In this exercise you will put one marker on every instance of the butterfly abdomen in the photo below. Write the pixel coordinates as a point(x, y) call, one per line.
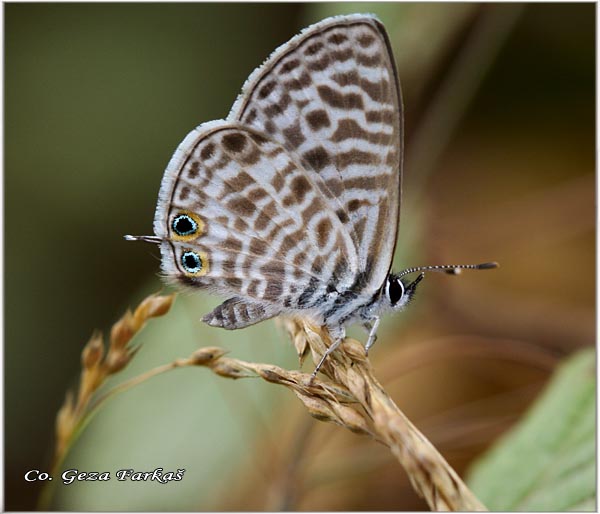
point(239, 313)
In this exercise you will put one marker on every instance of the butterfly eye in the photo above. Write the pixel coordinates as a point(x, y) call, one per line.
point(192, 262)
point(395, 290)
point(186, 226)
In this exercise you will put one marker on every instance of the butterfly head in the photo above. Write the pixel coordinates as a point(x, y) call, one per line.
point(398, 291)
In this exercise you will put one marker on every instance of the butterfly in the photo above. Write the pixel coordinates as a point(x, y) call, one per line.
point(291, 204)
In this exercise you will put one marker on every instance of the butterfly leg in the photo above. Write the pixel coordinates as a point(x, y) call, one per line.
point(337, 335)
point(372, 328)
point(329, 351)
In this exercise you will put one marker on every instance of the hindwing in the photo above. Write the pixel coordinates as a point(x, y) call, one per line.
point(238, 214)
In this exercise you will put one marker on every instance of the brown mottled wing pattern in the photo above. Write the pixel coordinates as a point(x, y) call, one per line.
point(265, 231)
point(331, 97)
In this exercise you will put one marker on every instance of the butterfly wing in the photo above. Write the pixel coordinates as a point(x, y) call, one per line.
point(237, 215)
point(330, 96)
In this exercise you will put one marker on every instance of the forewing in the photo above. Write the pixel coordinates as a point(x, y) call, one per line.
point(331, 97)
point(264, 230)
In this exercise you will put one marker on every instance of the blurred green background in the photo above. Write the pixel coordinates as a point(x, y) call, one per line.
point(500, 165)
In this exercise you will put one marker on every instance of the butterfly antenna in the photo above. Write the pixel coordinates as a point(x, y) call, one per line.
point(146, 239)
point(451, 269)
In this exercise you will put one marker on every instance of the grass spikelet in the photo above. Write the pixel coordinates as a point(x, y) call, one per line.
point(431, 476)
point(294, 330)
point(354, 399)
point(97, 364)
point(351, 397)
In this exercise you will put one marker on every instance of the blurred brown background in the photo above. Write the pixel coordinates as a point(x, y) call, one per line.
point(500, 165)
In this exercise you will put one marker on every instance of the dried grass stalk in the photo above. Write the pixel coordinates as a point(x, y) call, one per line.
point(97, 365)
point(355, 400)
point(430, 474)
point(352, 398)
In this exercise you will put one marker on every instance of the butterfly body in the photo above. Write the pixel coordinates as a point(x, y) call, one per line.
point(291, 204)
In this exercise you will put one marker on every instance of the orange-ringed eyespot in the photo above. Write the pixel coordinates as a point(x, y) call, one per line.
point(184, 225)
point(191, 261)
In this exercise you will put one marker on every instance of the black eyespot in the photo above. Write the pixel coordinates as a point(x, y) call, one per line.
point(184, 225)
point(192, 263)
point(395, 290)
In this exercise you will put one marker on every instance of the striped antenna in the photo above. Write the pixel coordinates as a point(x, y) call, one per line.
point(451, 269)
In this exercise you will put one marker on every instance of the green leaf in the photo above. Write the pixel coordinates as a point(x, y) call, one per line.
point(548, 461)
